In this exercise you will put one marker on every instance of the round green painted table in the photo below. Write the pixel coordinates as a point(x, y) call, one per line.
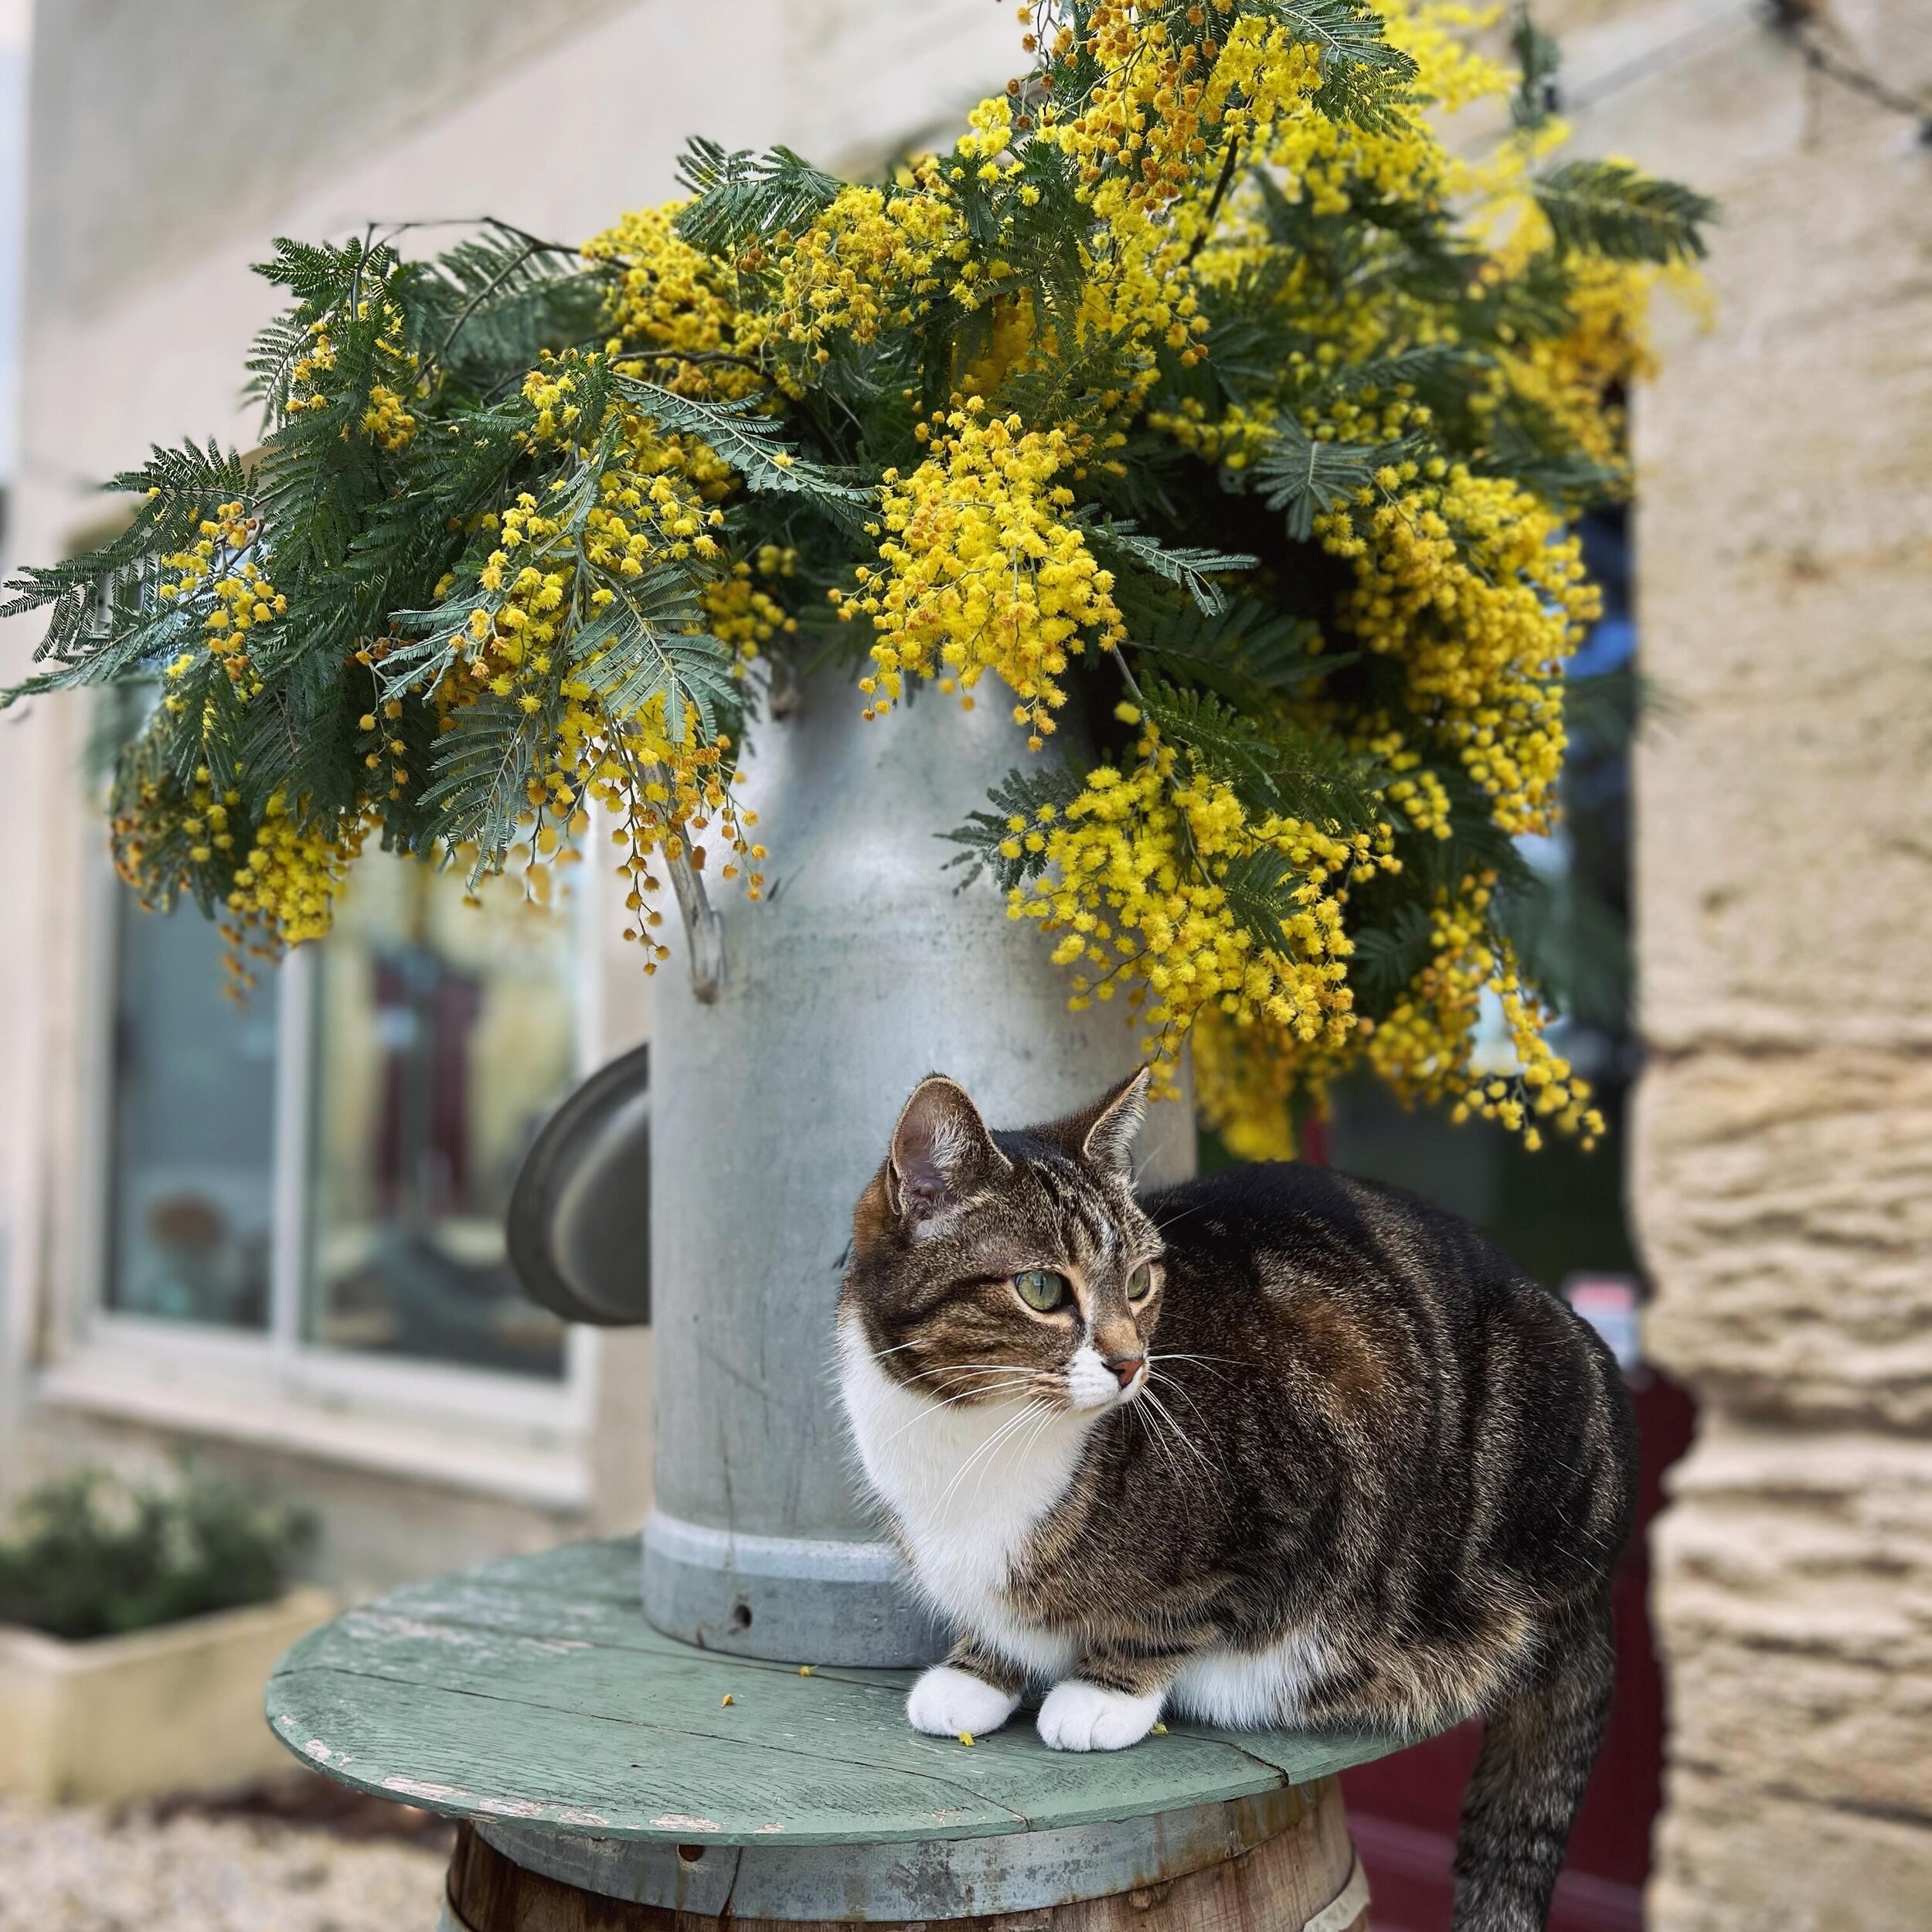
point(605, 1777)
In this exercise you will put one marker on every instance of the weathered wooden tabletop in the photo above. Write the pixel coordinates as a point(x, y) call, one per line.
point(533, 1690)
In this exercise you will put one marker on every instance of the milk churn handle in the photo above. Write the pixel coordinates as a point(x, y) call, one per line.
point(703, 931)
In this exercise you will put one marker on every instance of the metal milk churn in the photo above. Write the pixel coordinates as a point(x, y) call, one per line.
point(772, 1101)
point(867, 967)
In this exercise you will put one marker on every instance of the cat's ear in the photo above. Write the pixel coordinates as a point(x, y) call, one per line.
point(1103, 1135)
point(940, 1148)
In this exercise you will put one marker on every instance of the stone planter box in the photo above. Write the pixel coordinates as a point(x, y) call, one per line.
point(175, 1709)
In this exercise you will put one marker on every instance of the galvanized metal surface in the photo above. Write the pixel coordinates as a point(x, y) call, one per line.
point(718, 1586)
point(532, 1692)
point(577, 1231)
point(866, 968)
point(954, 1879)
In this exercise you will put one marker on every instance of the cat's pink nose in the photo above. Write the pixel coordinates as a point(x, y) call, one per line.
point(1126, 1367)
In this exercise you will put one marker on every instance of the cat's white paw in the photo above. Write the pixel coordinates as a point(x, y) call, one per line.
point(946, 1702)
point(1083, 1717)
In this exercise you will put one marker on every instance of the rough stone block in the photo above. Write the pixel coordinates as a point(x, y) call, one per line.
point(1725, 1864)
point(1793, 1574)
point(1785, 1204)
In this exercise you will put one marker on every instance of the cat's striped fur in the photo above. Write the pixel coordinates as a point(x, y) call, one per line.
point(1341, 1464)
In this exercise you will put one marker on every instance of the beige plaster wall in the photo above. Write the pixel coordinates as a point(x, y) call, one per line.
point(159, 130)
point(1782, 1178)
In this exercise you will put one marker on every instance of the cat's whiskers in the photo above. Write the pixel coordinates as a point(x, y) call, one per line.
point(1186, 1395)
point(1049, 1414)
point(964, 1368)
point(1174, 1354)
point(1181, 1436)
point(1160, 1426)
point(1153, 1440)
point(985, 1449)
point(1203, 1360)
point(980, 1391)
point(1026, 1448)
point(1174, 1220)
point(1165, 1430)
point(992, 1372)
point(1152, 1420)
point(981, 1373)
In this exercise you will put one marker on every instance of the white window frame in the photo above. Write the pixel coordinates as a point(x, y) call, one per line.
point(519, 1436)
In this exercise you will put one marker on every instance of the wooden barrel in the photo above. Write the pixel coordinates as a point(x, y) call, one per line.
point(1301, 1875)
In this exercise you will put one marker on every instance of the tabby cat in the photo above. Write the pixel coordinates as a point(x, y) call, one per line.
point(1275, 1446)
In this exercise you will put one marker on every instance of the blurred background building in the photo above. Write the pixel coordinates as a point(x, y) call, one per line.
point(273, 1234)
point(276, 1233)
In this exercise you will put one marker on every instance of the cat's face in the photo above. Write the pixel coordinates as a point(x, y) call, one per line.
point(994, 1267)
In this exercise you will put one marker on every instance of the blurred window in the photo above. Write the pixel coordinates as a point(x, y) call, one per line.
point(444, 1035)
point(327, 1163)
point(193, 1175)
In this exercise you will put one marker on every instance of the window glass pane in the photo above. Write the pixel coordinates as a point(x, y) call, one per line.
point(444, 1033)
point(194, 1112)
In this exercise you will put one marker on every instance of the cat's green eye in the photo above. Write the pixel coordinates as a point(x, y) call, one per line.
point(1140, 1283)
point(1042, 1289)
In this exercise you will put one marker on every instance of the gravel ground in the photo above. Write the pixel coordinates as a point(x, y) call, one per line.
point(141, 1870)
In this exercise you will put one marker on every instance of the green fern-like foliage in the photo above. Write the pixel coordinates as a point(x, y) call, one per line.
point(1304, 478)
point(995, 841)
point(1608, 208)
point(738, 197)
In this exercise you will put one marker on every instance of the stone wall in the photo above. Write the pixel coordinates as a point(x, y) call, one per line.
point(1782, 1172)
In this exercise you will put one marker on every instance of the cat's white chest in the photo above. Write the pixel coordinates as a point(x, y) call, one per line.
point(967, 1484)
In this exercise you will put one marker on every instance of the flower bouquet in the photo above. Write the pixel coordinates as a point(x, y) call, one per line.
point(1204, 405)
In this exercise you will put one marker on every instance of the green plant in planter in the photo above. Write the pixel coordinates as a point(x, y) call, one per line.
point(89, 1556)
point(1200, 391)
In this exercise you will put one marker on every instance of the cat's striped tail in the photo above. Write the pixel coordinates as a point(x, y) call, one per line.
point(1537, 1750)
